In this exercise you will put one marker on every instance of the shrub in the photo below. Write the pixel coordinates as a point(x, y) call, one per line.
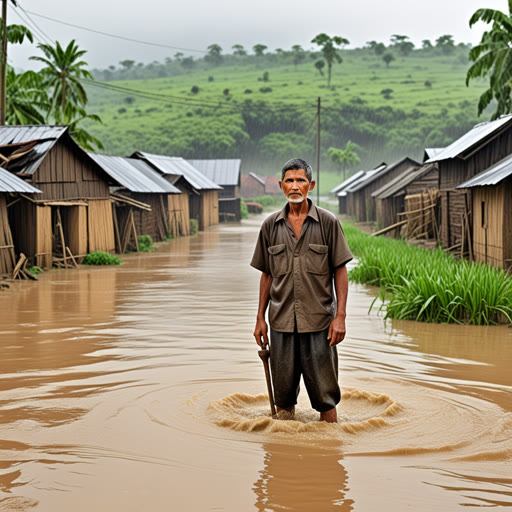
point(210, 79)
point(244, 211)
point(101, 258)
point(122, 110)
point(248, 91)
point(428, 83)
point(35, 270)
point(145, 243)
point(265, 89)
point(225, 92)
point(194, 89)
point(194, 227)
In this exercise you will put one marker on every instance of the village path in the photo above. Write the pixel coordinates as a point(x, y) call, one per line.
point(139, 388)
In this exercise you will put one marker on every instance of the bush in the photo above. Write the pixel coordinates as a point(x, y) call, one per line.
point(145, 243)
point(248, 91)
point(194, 227)
point(122, 110)
point(243, 210)
point(194, 89)
point(35, 270)
point(101, 258)
point(428, 84)
point(265, 89)
point(210, 79)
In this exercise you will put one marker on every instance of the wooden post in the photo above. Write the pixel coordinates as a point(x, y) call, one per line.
point(3, 67)
point(63, 241)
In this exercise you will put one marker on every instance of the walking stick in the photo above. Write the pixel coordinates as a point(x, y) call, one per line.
point(264, 355)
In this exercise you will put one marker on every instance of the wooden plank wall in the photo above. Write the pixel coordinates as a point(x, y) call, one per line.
point(488, 242)
point(209, 208)
point(179, 216)
point(68, 174)
point(7, 254)
point(507, 224)
point(76, 229)
point(44, 247)
point(101, 226)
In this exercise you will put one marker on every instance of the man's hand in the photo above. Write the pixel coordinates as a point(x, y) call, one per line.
point(337, 331)
point(260, 332)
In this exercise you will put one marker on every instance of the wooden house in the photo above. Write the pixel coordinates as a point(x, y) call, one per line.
point(141, 202)
point(203, 194)
point(364, 202)
point(73, 213)
point(226, 173)
point(354, 207)
point(477, 150)
point(492, 214)
point(390, 199)
point(252, 185)
point(340, 191)
point(10, 188)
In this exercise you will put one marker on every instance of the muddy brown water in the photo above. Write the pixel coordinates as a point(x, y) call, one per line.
point(139, 387)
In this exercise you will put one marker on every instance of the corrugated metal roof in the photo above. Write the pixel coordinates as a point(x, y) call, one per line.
point(257, 178)
point(11, 183)
point(220, 171)
point(378, 171)
point(431, 153)
point(134, 175)
point(491, 176)
point(398, 184)
point(19, 134)
point(347, 182)
point(462, 146)
point(366, 175)
point(175, 165)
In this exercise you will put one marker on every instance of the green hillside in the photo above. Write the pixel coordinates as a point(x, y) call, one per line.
point(234, 110)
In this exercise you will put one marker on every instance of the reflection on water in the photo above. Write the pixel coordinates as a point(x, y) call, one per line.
point(140, 387)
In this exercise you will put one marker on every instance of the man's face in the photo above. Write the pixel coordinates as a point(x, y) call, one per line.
point(295, 185)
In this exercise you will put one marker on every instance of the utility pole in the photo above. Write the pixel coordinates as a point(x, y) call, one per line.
point(3, 67)
point(318, 126)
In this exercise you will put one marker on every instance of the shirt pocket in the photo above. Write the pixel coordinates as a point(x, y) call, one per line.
point(278, 260)
point(317, 259)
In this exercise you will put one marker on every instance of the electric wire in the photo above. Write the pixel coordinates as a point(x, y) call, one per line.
point(37, 32)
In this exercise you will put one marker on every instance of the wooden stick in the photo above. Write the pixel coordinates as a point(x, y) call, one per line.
point(264, 355)
point(390, 228)
point(61, 232)
point(19, 265)
point(68, 250)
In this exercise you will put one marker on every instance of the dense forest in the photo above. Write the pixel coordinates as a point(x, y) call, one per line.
point(378, 103)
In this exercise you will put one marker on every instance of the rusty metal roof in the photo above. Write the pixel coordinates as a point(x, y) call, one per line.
point(220, 171)
point(465, 146)
point(11, 183)
point(491, 176)
point(134, 175)
point(177, 166)
point(46, 135)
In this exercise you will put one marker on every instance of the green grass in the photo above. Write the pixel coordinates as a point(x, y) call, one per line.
point(430, 286)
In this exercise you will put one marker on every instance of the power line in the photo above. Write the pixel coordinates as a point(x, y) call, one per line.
point(38, 33)
point(115, 36)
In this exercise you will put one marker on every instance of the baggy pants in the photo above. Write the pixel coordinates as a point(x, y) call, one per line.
point(293, 354)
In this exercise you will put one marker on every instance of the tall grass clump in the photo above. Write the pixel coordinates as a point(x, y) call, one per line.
point(430, 286)
point(101, 258)
point(145, 243)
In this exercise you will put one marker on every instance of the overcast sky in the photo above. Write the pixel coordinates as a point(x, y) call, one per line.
point(195, 24)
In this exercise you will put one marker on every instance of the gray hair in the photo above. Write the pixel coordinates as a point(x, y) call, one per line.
point(297, 163)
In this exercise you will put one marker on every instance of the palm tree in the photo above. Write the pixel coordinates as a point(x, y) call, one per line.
point(345, 158)
point(62, 74)
point(492, 57)
point(26, 98)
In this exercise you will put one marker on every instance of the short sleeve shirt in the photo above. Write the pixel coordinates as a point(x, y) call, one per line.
point(302, 270)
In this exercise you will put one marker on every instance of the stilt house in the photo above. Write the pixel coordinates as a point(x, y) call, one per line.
point(492, 214)
point(203, 194)
point(226, 173)
point(73, 213)
point(141, 202)
point(476, 151)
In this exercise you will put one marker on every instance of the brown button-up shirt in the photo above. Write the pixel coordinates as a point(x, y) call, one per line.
point(302, 270)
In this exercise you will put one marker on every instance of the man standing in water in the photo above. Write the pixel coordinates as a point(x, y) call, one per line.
point(300, 251)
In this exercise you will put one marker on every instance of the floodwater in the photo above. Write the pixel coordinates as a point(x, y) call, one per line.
point(140, 388)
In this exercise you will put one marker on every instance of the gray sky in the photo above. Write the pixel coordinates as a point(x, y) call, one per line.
point(277, 23)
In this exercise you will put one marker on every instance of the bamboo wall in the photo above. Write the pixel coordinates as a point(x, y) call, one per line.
point(488, 225)
point(101, 226)
point(75, 229)
point(507, 224)
point(7, 255)
point(66, 173)
point(209, 208)
point(179, 215)
point(387, 210)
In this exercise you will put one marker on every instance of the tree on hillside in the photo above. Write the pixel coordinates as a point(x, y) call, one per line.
point(188, 63)
point(388, 58)
point(345, 159)
point(377, 48)
point(299, 55)
point(320, 65)
point(214, 55)
point(239, 50)
point(426, 44)
point(329, 48)
point(445, 44)
point(127, 64)
point(492, 57)
point(62, 74)
point(402, 44)
point(259, 49)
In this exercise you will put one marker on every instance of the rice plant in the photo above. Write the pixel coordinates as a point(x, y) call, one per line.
point(430, 286)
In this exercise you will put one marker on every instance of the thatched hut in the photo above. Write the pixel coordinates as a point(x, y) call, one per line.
point(492, 213)
point(225, 173)
point(73, 213)
point(203, 194)
point(477, 150)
